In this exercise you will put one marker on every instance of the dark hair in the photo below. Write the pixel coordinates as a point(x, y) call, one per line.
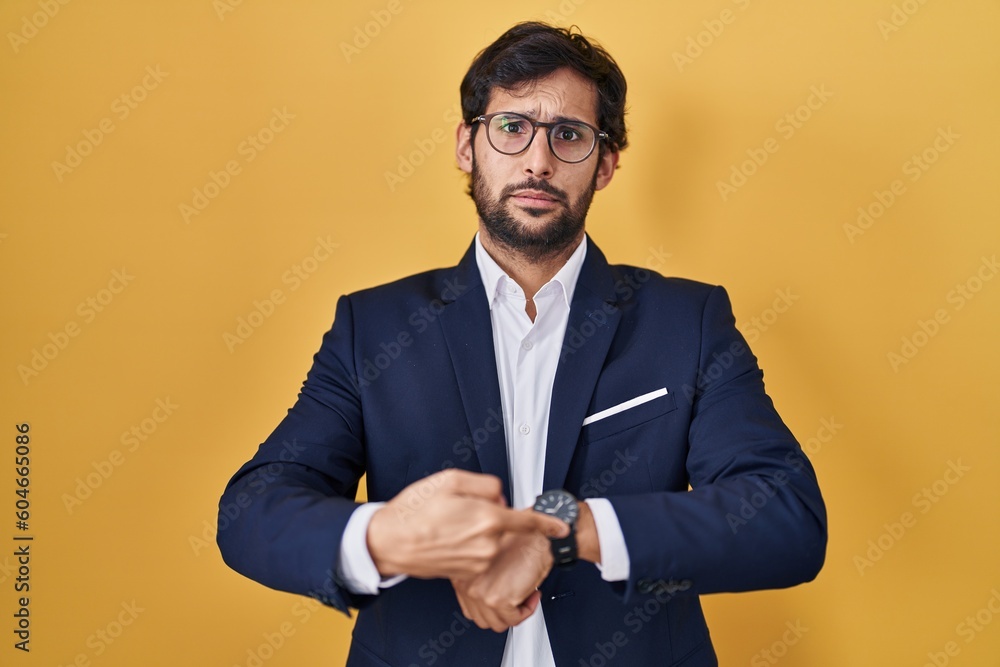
point(532, 50)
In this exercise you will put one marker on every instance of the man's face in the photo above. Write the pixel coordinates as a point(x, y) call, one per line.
point(533, 202)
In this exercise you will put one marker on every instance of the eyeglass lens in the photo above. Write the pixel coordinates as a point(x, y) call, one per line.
point(511, 134)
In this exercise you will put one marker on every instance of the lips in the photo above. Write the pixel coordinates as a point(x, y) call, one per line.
point(535, 197)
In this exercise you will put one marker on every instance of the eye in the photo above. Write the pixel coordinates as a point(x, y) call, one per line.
point(512, 125)
point(567, 133)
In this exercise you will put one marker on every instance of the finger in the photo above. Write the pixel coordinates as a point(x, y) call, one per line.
point(528, 520)
point(471, 609)
point(500, 624)
point(474, 484)
point(465, 609)
point(529, 605)
point(486, 618)
point(476, 618)
point(517, 615)
point(460, 594)
point(501, 619)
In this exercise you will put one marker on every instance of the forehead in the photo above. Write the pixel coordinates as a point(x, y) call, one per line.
point(564, 94)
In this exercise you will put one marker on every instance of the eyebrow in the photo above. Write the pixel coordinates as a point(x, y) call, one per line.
point(533, 115)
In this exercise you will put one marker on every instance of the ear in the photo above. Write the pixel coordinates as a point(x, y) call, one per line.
point(463, 147)
point(606, 168)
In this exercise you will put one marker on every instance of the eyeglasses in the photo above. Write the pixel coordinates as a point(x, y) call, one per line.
point(570, 141)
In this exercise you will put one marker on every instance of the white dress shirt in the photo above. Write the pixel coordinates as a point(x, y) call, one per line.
point(527, 354)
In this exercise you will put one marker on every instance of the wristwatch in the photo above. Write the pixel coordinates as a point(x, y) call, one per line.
point(563, 505)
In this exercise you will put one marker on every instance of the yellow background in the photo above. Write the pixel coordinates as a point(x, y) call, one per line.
point(143, 537)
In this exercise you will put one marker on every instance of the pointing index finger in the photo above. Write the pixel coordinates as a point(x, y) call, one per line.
point(528, 520)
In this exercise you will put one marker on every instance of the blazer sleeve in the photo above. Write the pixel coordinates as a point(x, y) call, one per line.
point(282, 515)
point(754, 517)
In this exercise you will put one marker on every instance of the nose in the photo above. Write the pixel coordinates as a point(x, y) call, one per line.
point(538, 158)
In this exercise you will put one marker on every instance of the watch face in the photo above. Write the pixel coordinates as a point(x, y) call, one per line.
point(559, 504)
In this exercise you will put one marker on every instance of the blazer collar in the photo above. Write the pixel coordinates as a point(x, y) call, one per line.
point(595, 275)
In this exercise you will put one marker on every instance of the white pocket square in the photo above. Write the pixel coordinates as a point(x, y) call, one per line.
point(630, 403)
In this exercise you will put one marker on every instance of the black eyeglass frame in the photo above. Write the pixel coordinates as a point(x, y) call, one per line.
point(599, 135)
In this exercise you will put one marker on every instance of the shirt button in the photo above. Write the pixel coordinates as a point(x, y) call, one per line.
point(525, 429)
point(527, 345)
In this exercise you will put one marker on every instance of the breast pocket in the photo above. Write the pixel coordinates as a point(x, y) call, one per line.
point(627, 414)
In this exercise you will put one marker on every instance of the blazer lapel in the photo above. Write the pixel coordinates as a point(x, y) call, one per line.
point(593, 320)
point(468, 333)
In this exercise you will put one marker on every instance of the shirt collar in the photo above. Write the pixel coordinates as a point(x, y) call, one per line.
point(494, 277)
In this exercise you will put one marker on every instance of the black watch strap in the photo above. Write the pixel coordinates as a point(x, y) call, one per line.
point(564, 549)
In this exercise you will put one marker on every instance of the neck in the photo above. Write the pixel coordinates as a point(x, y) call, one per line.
point(529, 272)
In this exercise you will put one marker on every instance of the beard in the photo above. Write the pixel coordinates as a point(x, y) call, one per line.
point(534, 244)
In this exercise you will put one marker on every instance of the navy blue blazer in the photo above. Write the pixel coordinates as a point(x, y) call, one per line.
point(712, 491)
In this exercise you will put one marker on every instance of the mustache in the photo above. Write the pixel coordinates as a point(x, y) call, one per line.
point(533, 184)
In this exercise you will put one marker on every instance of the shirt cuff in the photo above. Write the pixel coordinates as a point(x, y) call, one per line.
point(355, 566)
point(615, 563)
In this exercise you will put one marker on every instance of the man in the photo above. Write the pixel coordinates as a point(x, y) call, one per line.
point(626, 403)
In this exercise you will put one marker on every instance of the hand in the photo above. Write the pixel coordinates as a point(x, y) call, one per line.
point(449, 525)
point(506, 594)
